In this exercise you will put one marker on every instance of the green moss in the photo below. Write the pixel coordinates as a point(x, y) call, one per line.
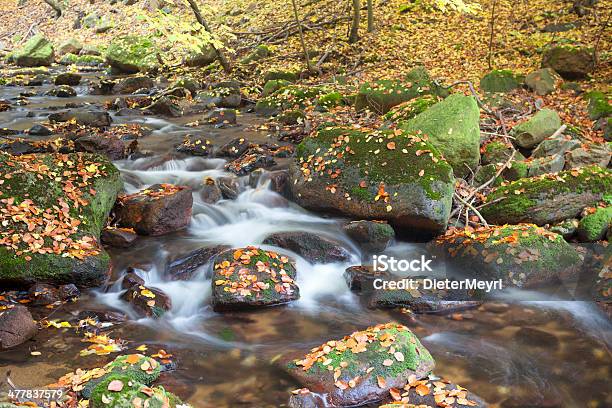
point(274, 85)
point(69, 59)
point(599, 106)
point(517, 170)
point(36, 51)
point(89, 60)
point(330, 100)
point(594, 226)
point(260, 52)
point(289, 97)
point(408, 110)
point(155, 397)
point(132, 54)
point(499, 81)
point(284, 75)
point(134, 371)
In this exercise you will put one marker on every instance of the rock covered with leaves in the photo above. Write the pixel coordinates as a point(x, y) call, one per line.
point(252, 277)
point(382, 174)
point(362, 367)
point(53, 208)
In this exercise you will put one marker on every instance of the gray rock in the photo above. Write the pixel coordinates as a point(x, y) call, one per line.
point(16, 327)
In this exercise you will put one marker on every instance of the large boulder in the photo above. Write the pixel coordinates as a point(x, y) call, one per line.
point(382, 95)
point(156, 210)
point(251, 277)
point(571, 62)
point(16, 326)
point(543, 81)
point(53, 207)
point(132, 54)
point(312, 247)
point(453, 127)
point(36, 51)
point(362, 367)
point(548, 198)
point(531, 132)
point(382, 175)
point(521, 255)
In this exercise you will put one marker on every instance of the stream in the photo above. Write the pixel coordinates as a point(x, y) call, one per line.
point(229, 359)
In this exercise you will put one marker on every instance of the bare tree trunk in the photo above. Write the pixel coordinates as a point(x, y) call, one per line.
point(55, 7)
point(492, 28)
point(370, 16)
point(198, 15)
point(299, 24)
point(354, 35)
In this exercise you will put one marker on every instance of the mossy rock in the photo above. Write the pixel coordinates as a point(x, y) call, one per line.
point(68, 59)
point(382, 95)
point(90, 60)
point(549, 198)
point(499, 81)
point(70, 46)
point(515, 171)
point(364, 366)
point(201, 58)
point(132, 54)
point(138, 367)
point(531, 132)
point(260, 52)
point(292, 117)
point(599, 105)
point(594, 227)
point(486, 173)
point(43, 180)
point(542, 81)
point(453, 126)
point(329, 100)
point(37, 51)
point(566, 228)
point(132, 394)
point(284, 75)
point(524, 255)
point(289, 97)
point(409, 109)
point(341, 170)
point(498, 152)
point(274, 85)
point(250, 277)
point(570, 61)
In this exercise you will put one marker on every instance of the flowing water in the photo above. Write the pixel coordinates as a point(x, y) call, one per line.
point(229, 359)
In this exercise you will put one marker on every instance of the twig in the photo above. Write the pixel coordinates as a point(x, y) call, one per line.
point(471, 207)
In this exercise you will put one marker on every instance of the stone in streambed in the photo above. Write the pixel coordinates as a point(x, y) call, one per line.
point(234, 148)
point(157, 210)
point(210, 192)
point(185, 266)
point(195, 146)
point(147, 301)
point(312, 247)
point(542, 125)
point(131, 84)
point(524, 255)
point(361, 278)
point(364, 366)
point(251, 277)
point(132, 54)
point(43, 294)
point(166, 105)
point(62, 91)
point(549, 198)
point(452, 126)
point(83, 117)
point(16, 326)
point(221, 117)
point(57, 204)
point(229, 187)
point(371, 236)
point(68, 78)
point(109, 146)
point(382, 175)
point(118, 237)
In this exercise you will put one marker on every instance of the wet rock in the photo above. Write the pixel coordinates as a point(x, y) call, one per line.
point(118, 237)
point(103, 315)
point(210, 192)
point(131, 279)
point(221, 117)
point(589, 154)
point(62, 91)
point(132, 54)
point(35, 52)
point(595, 225)
point(542, 81)
point(132, 84)
point(372, 236)
point(416, 195)
point(18, 147)
point(167, 106)
point(234, 148)
point(361, 278)
point(157, 210)
point(421, 300)
point(292, 117)
point(16, 327)
point(129, 112)
point(83, 117)
point(104, 87)
point(278, 180)
point(382, 95)
point(39, 130)
point(452, 126)
point(72, 254)
point(224, 97)
point(499, 81)
point(70, 46)
point(312, 247)
point(251, 277)
point(530, 336)
point(185, 266)
point(109, 146)
point(229, 187)
point(548, 199)
point(150, 302)
point(69, 292)
point(371, 363)
point(571, 62)
point(542, 125)
point(252, 160)
point(195, 146)
point(68, 78)
point(522, 255)
point(42, 294)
